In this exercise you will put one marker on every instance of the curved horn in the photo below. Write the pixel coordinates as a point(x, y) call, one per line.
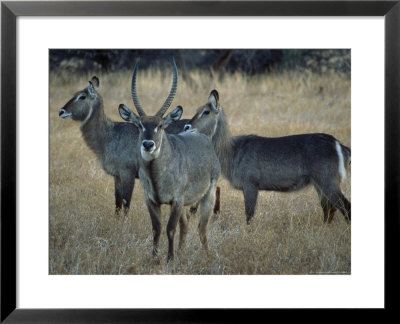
point(135, 98)
point(172, 92)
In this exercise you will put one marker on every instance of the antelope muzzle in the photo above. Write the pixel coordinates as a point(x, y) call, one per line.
point(148, 145)
point(64, 114)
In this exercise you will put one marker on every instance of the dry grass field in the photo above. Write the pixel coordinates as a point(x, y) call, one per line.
point(287, 234)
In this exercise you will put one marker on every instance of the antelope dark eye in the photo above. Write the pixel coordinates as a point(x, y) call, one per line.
point(206, 112)
point(82, 97)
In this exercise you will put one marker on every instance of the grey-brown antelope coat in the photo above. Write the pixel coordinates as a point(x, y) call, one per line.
point(178, 170)
point(110, 141)
point(252, 163)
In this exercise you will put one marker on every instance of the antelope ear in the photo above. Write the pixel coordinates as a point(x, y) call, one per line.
point(128, 115)
point(176, 113)
point(173, 116)
point(214, 98)
point(91, 90)
point(96, 82)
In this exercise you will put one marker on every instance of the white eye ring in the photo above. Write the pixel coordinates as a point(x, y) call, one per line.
point(205, 112)
point(80, 96)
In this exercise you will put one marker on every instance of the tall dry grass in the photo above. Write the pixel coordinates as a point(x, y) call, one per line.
point(287, 234)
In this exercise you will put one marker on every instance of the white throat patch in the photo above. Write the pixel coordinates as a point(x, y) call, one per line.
point(87, 117)
point(149, 156)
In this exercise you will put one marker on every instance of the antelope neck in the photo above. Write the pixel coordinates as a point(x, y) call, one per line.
point(94, 128)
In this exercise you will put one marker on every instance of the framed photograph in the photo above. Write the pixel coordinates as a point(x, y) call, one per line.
point(76, 247)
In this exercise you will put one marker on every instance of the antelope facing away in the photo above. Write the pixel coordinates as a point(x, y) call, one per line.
point(112, 142)
point(252, 163)
point(178, 170)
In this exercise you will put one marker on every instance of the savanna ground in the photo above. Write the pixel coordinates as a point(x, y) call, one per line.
point(287, 234)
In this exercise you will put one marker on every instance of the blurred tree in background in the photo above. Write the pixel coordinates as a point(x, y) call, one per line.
point(247, 61)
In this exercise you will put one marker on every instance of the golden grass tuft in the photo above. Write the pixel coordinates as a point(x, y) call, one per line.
point(287, 235)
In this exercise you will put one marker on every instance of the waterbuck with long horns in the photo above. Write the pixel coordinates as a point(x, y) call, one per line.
point(252, 163)
point(178, 170)
point(174, 128)
point(112, 141)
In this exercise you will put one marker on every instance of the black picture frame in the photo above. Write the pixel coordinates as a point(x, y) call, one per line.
point(11, 10)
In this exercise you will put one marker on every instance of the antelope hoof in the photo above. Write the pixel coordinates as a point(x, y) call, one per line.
point(170, 259)
point(117, 212)
point(156, 260)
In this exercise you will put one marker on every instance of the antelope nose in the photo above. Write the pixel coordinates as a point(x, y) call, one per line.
point(187, 127)
point(148, 145)
point(64, 114)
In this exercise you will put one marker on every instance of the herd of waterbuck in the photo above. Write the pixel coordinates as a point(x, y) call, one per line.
point(179, 161)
